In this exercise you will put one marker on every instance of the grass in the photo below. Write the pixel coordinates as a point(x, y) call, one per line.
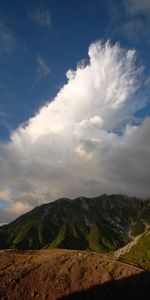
point(95, 239)
point(137, 228)
point(59, 238)
point(140, 253)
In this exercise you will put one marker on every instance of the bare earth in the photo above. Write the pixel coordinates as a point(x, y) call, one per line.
point(52, 274)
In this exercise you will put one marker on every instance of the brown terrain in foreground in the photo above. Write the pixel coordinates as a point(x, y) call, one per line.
point(65, 274)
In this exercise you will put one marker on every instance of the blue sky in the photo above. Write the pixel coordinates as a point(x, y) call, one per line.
point(58, 32)
point(39, 42)
point(60, 43)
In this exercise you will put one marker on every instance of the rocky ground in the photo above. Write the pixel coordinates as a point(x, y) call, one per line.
point(65, 274)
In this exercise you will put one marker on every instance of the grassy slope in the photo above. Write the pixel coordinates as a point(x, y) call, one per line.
point(140, 253)
point(99, 224)
point(137, 228)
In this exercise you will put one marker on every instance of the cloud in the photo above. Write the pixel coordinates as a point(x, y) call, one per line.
point(137, 26)
point(4, 194)
point(43, 68)
point(133, 28)
point(135, 7)
point(7, 40)
point(129, 18)
point(5, 120)
point(84, 141)
point(13, 212)
point(41, 17)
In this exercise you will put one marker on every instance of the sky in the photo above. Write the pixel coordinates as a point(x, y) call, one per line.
point(74, 101)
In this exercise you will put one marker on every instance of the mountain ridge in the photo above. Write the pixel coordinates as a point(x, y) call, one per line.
point(100, 224)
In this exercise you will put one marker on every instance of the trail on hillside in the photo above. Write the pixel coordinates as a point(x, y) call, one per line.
point(133, 242)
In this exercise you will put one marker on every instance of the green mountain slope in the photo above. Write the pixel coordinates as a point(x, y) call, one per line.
point(139, 254)
point(100, 224)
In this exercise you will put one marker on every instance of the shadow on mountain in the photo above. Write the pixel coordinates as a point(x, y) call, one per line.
point(134, 287)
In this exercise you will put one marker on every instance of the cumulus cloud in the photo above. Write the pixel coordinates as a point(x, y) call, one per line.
point(83, 142)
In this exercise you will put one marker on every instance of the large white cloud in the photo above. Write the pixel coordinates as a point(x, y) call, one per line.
point(71, 146)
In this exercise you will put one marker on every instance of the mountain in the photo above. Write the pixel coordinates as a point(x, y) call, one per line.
point(100, 224)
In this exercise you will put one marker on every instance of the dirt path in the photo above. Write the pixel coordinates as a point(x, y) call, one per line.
point(134, 241)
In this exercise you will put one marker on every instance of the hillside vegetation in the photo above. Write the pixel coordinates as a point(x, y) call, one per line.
point(139, 254)
point(137, 228)
point(99, 224)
